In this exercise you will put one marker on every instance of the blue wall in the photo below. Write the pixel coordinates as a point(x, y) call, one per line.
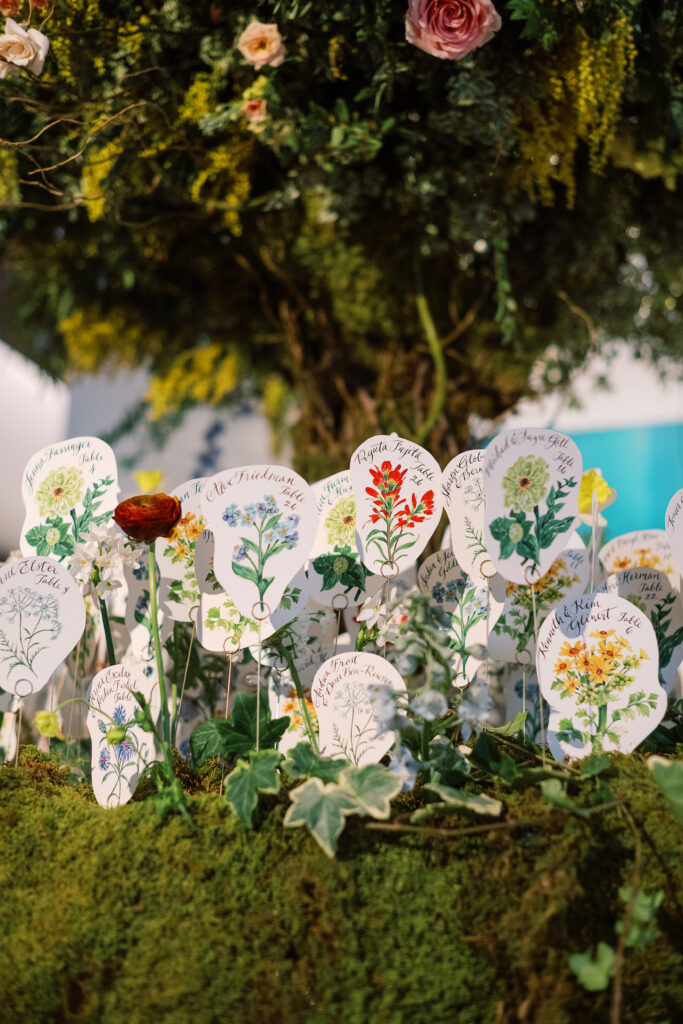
point(644, 465)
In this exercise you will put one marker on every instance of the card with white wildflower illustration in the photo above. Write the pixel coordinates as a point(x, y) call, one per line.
point(649, 549)
point(531, 483)
point(464, 502)
point(264, 521)
point(512, 638)
point(120, 748)
point(351, 693)
point(42, 617)
point(138, 612)
point(67, 488)
point(597, 666)
point(336, 573)
point(673, 522)
point(175, 554)
point(397, 486)
point(651, 592)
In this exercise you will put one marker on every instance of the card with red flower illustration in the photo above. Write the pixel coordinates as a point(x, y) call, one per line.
point(673, 522)
point(651, 592)
point(397, 486)
point(597, 667)
point(356, 698)
point(531, 487)
point(175, 554)
point(42, 618)
point(512, 638)
point(464, 502)
point(120, 747)
point(67, 488)
point(647, 549)
point(264, 520)
point(336, 574)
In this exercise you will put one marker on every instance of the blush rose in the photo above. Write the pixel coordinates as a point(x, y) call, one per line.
point(450, 29)
point(262, 45)
point(23, 49)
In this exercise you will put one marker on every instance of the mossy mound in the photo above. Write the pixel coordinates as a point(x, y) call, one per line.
point(118, 916)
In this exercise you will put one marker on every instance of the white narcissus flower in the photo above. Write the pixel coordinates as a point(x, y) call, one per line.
point(372, 611)
point(23, 48)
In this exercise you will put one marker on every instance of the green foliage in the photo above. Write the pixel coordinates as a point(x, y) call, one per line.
point(669, 777)
point(323, 808)
point(249, 778)
point(457, 799)
point(643, 929)
point(594, 972)
point(221, 737)
point(303, 762)
point(555, 793)
point(372, 787)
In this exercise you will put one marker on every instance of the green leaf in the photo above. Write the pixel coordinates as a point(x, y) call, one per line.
point(513, 728)
point(245, 571)
point(220, 737)
point(555, 793)
point(480, 803)
point(594, 974)
point(248, 779)
point(323, 808)
point(669, 777)
point(303, 762)
point(373, 786)
point(595, 764)
point(489, 757)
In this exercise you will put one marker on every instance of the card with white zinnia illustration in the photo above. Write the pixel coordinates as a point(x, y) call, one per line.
point(673, 522)
point(531, 483)
point(336, 574)
point(597, 667)
point(67, 488)
point(345, 696)
point(648, 549)
point(120, 748)
point(465, 504)
point(264, 520)
point(175, 554)
point(42, 617)
point(397, 486)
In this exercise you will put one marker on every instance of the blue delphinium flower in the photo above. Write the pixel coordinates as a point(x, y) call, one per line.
point(119, 715)
point(105, 760)
point(231, 515)
point(239, 553)
point(438, 592)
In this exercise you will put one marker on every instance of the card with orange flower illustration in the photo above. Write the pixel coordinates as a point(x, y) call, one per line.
point(264, 520)
point(651, 592)
point(464, 502)
point(673, 523)
point(597, 667)
point(649, 549)
point(512, 636)
point(351, 693)
point(397, 486)
point(336, 574)
point(531, 486)
point(67, 488)
point(175, 554)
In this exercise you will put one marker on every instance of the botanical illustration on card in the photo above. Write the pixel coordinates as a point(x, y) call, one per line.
point(465, 502)
point(336, 571)
point(176, 553)
point(646, 549)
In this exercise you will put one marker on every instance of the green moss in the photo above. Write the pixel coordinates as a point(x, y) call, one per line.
point(117, 915)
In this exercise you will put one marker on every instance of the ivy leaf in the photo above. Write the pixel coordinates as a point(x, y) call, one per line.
point(514, 728)
point(594, 974)
point(596, 764)
point(220, 737)
point(303, 762)
point(248, 779)
point(669, 777)
point(555, 793)
point(480, 803)
point(323, 808)
point(372, 787)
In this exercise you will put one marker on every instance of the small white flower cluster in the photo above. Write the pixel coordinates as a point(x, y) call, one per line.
point(383, 615)
point(97, 564)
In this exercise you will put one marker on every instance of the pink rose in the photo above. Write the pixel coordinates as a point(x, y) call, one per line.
point(262, 44)
point(450, 28)
point(255, 111)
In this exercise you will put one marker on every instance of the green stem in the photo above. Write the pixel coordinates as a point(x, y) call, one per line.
point(107, 632)
point(425, 740)
point(154, 617)
point(602, 720)
point(440, 385)
point(77, 534)
point(300, 694)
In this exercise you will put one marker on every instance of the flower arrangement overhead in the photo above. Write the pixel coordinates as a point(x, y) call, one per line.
point(375, 216)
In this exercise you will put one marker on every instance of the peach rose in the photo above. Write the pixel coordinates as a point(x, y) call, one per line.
point(9, 7)
point(255, 111)
point(261, 44)
point(23, 49)
point(450, 28)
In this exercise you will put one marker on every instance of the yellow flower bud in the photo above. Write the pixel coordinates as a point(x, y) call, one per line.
point(47, 723)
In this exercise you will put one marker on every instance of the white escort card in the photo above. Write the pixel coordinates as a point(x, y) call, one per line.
point(673, 522)
point(120, 748)
point(175, 554)
point(649, 549)
point(264, 520)
point(397, 485)
point(42, 617)
point(531, 483)
point(67, 488)
point(336, 574)
point(344, 696)
point(597, 666)
point(465, 504)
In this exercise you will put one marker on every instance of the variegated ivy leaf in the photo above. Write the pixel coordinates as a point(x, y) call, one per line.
point(323, 808)
point(373, 786)
point(257, 775)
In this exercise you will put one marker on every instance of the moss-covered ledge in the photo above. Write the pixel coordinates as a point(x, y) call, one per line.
point(117, 915)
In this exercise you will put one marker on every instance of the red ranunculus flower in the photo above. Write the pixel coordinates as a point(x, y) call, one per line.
point(148, 516)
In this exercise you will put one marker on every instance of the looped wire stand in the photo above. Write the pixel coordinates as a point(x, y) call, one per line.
point(21, 696)
point(339, 603)
point(261, 615)
point(231, 652)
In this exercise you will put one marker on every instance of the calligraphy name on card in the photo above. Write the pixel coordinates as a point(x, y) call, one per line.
point(674, 528)
point(67, 488)
point(120, 748)
point(397, 485)
point(337, 576)
point(264, 521)
point(597, 666)
point(465, 504)
point(42, 617)
point(176, 553)
point(531, 483)
point(651, 592)
point(343, 694)
point(648, 549)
